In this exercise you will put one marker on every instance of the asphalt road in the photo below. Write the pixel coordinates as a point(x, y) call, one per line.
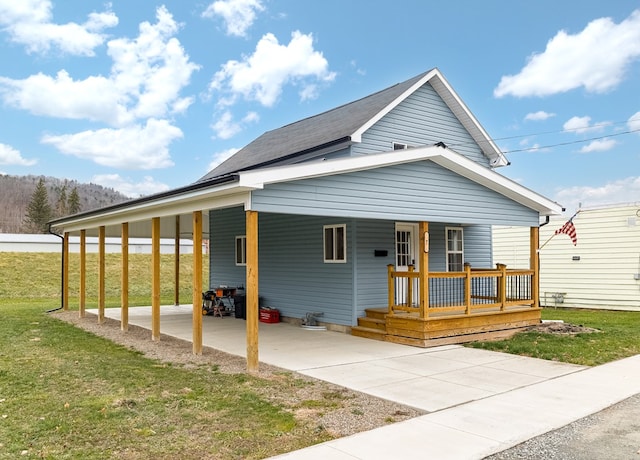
point(613, 434)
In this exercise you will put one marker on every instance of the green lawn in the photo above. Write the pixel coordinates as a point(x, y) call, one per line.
point(65, 393)
point(618, 337)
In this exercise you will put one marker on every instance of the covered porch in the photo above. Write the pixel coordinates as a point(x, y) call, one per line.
point(427, 309)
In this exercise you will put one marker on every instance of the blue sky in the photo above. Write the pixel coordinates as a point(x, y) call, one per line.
point(143, 96)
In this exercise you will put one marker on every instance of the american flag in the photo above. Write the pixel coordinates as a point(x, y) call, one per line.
point(569, 229)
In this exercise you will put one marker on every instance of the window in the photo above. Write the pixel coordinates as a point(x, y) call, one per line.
point(455, 250)
point(241, 250)
point(400, 146)
point(335, 243)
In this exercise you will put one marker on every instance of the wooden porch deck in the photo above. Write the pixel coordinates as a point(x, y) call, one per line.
point(444, 328)
point(432, 309)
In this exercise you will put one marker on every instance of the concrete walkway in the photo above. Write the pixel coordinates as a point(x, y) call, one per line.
point(480, 402)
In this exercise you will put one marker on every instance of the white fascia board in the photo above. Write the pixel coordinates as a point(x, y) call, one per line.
point(473, 171)
point(357, 136)
point(196, 200)
point(460, 109)
point(257, 179)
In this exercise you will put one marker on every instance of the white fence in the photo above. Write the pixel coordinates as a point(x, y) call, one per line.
point(16, 242)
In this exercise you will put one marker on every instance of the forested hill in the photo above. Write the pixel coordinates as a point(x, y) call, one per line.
point(17, 191)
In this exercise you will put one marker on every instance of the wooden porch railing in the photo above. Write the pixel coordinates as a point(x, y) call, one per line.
point(467, 292)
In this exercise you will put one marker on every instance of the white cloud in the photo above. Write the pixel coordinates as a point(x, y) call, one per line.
point(540, 115)
point(595, 58)
point(29, 22)
point(219, 157)
point(634, 122)
point(238, 15)
point(133, 147)
point(146, 78)
point(581, 125)
point(129, 187)
point(225, 127)
point(11, 156)
point(620, 191)
point(599, 145)
point(262, 76)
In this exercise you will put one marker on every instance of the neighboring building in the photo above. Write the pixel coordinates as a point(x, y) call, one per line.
point(21, 242)
point(331, 214)
point(601, 271)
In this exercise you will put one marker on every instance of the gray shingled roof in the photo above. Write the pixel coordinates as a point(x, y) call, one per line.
point(311, 133)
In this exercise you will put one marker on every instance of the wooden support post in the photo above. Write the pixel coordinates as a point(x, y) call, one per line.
point(410, 287)
point(196, 294)
point(65, 272)
point(467, 289)
point(82, 292)
point(176, 263)
point(534, 264)
point(155, 278)
point(101, 274)
point(502, 285)
point(124, 278)
point(252, 290)
point(391, 288)
point(423, 267)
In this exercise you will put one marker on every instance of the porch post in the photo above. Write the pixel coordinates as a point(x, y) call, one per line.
point(423, 243)
point(155, 278)
point(101, 274)
point(252, 290)
point(176, 263)
point(124, 278)
point(65, 271)
point(196, 294)
point(82, 292)
point(534, 241)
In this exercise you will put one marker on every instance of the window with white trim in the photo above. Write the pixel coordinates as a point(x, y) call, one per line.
point(335, 243)
point(455, 249)
point(241, 250)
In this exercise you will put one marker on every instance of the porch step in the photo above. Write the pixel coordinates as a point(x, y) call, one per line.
point(376, 313)
point(368, 333)
point(372, 323)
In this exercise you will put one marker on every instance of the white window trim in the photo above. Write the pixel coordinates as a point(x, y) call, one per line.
point(243, 258)
point(334, 260)
point(446, 245)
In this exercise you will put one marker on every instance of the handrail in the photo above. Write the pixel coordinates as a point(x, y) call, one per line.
point(468, 291)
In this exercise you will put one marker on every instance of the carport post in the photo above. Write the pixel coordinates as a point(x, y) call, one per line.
point(101, 274)
point(252, 290)
point(124, 278)
point(83, 274)
point(65, 271)
point(197, 283)
point(155, 278)
point(176, 264)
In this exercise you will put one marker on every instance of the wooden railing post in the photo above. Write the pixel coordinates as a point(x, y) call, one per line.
point(467, 288)
point(391, 288)
point(410, 287)
point(423, 284)
point(502, 285)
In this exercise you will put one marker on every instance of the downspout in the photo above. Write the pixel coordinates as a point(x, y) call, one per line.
point(61, 271)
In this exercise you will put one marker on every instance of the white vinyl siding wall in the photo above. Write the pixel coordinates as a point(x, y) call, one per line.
point(609, 251)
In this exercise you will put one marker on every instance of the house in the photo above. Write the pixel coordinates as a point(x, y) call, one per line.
point(602, 270)
point(376, 216)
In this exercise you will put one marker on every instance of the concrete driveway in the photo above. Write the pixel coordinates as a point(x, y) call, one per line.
point(430, 379)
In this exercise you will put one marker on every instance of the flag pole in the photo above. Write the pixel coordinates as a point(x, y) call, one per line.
point(554, 234)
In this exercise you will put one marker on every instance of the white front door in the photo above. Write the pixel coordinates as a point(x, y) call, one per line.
point(406, 254)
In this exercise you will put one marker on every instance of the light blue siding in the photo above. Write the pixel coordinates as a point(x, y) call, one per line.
point(408, 192)
point(293, 276)
point(421, 119)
